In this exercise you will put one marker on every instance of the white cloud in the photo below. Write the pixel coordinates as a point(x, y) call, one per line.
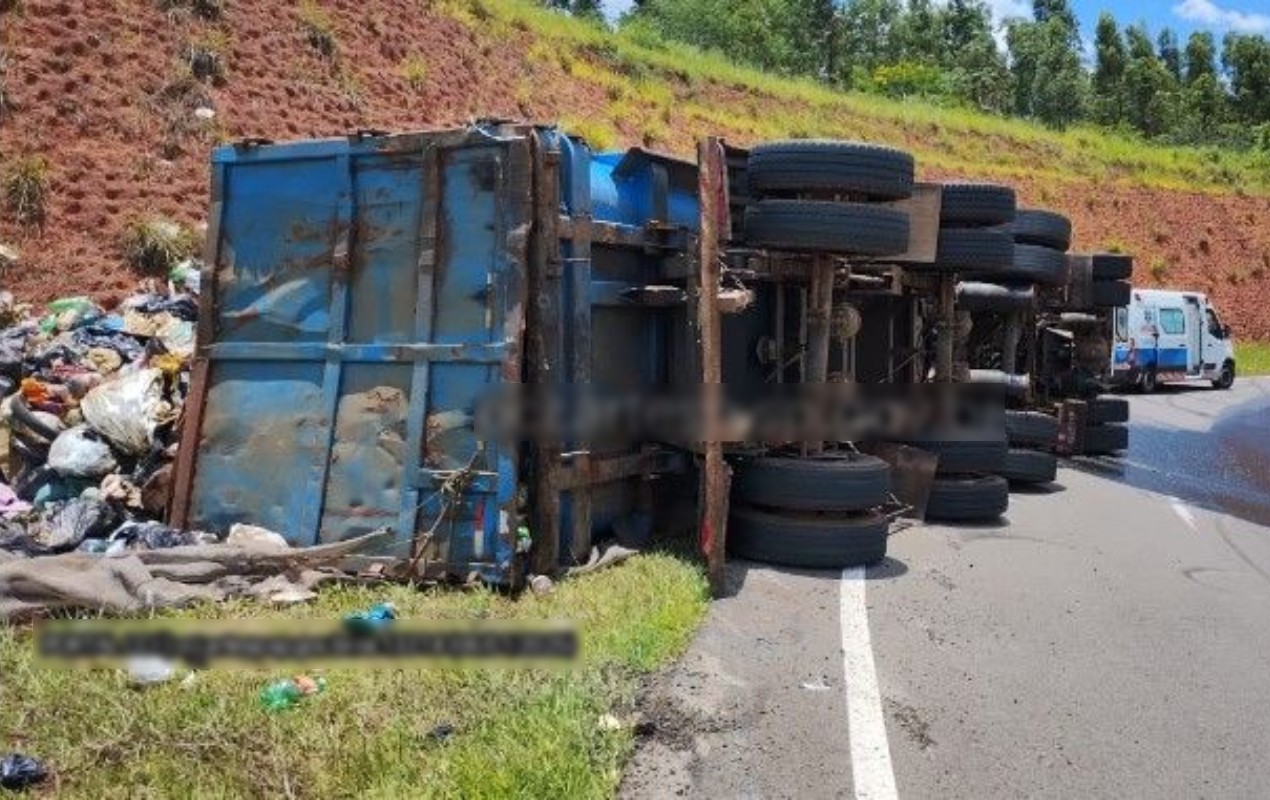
point(1209, 13)
point(1005, 9)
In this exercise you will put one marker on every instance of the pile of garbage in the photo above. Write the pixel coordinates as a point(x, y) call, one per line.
point(89, 422)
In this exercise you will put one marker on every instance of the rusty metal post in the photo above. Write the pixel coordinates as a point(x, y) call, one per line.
point(819, 317)
point(1010, 347)
point(543, 351)
point(716, 477)
point(946, 329)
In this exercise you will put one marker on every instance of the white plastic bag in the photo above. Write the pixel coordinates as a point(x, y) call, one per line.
point(78, 453)
point(126, 410)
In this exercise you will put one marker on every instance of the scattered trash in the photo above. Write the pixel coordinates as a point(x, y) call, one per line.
point(88, 401)
point(10, 503)
point(375, 618)
point(157, 536)
point(541, 584)
point(18, 771)
point(818, 685)
point(79, 452)
point(254, 536)
point(288, 692)
point(608, 722)
point(612, 554)
point(442, 732)
point(126, 411)
point(150, 670)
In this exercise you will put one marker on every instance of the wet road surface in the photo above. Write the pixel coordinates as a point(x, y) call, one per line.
point(1107, 638)
point(1205, 446)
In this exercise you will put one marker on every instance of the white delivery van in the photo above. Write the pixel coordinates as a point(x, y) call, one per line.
point(1167, 335)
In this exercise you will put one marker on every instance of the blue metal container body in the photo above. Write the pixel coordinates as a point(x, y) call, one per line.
point(363, 295)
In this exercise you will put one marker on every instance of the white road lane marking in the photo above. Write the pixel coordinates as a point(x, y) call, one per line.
point(1184, 511)
point(871, 770)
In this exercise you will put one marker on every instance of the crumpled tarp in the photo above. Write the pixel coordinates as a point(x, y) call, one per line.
point(151, 579)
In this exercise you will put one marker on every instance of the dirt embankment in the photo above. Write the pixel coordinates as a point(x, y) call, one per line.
point(101, 89)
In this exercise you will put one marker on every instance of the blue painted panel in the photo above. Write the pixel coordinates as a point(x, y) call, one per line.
point(277, 245)
point(1163, 358)
point(354, 340)
point(360, 318)
point(262, 447)
point(382, 287)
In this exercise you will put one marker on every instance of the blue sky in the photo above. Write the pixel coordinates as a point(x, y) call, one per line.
point(1184, 16)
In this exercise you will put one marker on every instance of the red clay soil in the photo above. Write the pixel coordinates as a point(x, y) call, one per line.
point(98, 90)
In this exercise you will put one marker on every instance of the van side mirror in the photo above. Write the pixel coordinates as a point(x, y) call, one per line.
point(1225, 331)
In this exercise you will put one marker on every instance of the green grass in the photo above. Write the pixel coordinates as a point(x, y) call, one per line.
point(947, 137)
point(1252, 358)
point(518, 732)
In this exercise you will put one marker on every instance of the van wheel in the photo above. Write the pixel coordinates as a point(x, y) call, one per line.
point(1227, 377)
point(1148, 384)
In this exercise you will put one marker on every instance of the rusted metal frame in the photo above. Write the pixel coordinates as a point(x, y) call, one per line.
point(946, 328)
point(580, 356)
point(779, 333)
point(420, 374)
point(716, 476)
point(543, 351)
point(819, 329)
point(205, 332)
point(516, 300)
point(598, 470)
point(341, 265)
point(1010, 343)
point(614, 234)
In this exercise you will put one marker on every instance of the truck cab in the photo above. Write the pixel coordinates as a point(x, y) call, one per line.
point(1171, 336)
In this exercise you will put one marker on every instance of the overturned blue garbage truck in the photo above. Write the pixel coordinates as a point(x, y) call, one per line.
point(363, 296)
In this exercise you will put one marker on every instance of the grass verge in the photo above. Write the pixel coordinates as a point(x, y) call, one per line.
point(948, 137)
point(518, 732)
point(1252, 358)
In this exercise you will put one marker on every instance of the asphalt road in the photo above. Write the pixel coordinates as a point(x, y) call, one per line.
point(1108, 638)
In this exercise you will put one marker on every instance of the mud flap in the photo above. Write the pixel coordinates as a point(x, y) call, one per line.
point(912, 474)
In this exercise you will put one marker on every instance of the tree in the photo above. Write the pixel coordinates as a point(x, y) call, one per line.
point(867, 35)
point(1150, 90)
point(1049, 82)
point(977, 69)
point(1201, 56)
point(1058, 11)
point(593, 9)
point(920, 33)
point(1247, 60)
point(1110, 60)
point(1170, 54)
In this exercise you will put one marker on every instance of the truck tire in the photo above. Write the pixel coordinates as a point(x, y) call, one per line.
point(881, 173)
point(799, 539)
point(1227, 377)
point(1110, 294)
point(832, 482)
point(1031, 428)
point(1044, 228)
point(1101, 410)
point(1037, 264)
point(963, 455)
point(1103, 439)
point(976, 204)
point(1111, 266)
point(981, 250)
point(824, 226)
point(1029, 466)
point(965, 498)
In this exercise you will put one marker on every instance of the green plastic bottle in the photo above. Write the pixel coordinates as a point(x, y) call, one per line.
point(283, 694)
